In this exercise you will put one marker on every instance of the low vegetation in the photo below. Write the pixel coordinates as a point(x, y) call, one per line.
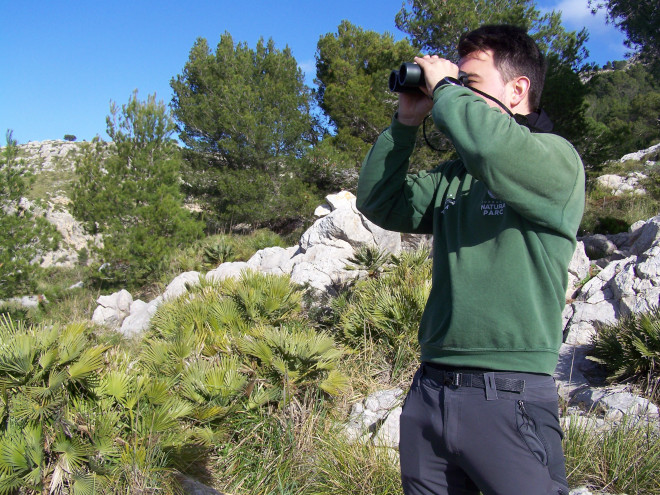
point(630, 350)
point(244, 385)
point(606, 213)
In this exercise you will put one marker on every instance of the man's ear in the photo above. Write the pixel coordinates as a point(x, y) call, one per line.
point(519, 90)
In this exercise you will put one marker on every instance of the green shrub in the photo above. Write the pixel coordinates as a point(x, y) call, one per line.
point(45, 374)
point(218, 253)
point(385, 311)
point(258, 317)
point(608, 214)
point(370, 259)
point(246, 245)
point(630, 349)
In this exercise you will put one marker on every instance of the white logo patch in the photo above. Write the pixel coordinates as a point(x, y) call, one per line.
point(492, 206)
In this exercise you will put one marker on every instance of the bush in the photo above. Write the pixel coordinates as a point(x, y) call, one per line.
point(383, 313)
point(608, 214)
point(630, 349)
point(259, 318)
point(45, 377)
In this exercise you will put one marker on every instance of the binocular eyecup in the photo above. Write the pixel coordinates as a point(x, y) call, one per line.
point(410, 77)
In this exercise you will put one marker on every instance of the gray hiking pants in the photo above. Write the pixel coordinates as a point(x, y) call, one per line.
point(462, 433)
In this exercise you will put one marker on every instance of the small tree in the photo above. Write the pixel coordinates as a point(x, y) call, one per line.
point(69, 137)
point(131, 193)
point(24, 236)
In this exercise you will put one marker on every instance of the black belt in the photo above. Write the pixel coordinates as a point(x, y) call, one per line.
point(476, 380)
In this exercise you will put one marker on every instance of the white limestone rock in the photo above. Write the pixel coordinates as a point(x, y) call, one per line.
point(178, 287)
point(639, 155)
point(615, 402)
point(390, 431)
point(366, 417)
point(139, 319)
point(275, 260)
point(112, 309)
point(230, 269)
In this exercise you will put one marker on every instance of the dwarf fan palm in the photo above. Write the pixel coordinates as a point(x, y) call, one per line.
point(295, 358)
point(630, 349)
point(386, 311)
point(43, 372)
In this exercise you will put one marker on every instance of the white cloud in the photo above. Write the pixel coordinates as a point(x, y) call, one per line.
point(576, 14)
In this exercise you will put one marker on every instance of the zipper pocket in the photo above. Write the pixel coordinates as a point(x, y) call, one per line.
point(527, 430)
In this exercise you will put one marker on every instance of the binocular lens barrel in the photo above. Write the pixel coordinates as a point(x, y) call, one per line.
point(410, 77)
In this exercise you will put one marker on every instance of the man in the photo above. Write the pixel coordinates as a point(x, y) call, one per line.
point(481, 414)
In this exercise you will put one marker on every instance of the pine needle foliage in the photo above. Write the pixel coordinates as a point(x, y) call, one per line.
point(630, 349)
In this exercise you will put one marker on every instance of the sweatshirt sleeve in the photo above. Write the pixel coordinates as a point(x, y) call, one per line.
point(389, 196)
point(539, 175)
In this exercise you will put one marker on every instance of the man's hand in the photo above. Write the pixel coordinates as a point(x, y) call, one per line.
point(435, 69)
point(413, 107)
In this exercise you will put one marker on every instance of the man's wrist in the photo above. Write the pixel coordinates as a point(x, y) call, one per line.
point(447, 81)
point(411, 121)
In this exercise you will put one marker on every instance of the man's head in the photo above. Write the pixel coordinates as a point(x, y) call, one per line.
point(514, 55)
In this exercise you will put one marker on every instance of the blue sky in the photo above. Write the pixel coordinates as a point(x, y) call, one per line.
point(62, 62)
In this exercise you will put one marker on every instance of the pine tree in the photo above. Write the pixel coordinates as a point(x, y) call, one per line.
point(130, 192)
point(24, 236)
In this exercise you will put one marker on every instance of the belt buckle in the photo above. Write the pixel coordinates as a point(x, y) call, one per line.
point(452, 378)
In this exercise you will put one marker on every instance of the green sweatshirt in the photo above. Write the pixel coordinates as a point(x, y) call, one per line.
point(504, 218)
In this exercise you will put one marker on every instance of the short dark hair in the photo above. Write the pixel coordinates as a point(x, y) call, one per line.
point(514, 53)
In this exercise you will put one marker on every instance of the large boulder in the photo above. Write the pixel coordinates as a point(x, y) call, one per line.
point(346, 227)
point(112, 309)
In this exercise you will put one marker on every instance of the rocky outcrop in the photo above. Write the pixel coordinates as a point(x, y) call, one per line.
point(625, 279)
point(46, 156)
point(641, 154)
point(318, 261)
point(630, 184)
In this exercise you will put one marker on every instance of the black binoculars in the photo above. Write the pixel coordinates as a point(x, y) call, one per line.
point(410, 77)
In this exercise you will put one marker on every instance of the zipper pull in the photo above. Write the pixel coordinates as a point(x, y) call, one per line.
point(521, 405)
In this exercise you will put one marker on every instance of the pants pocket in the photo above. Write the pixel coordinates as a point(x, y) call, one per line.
point(531, 434)
point(538, 425)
